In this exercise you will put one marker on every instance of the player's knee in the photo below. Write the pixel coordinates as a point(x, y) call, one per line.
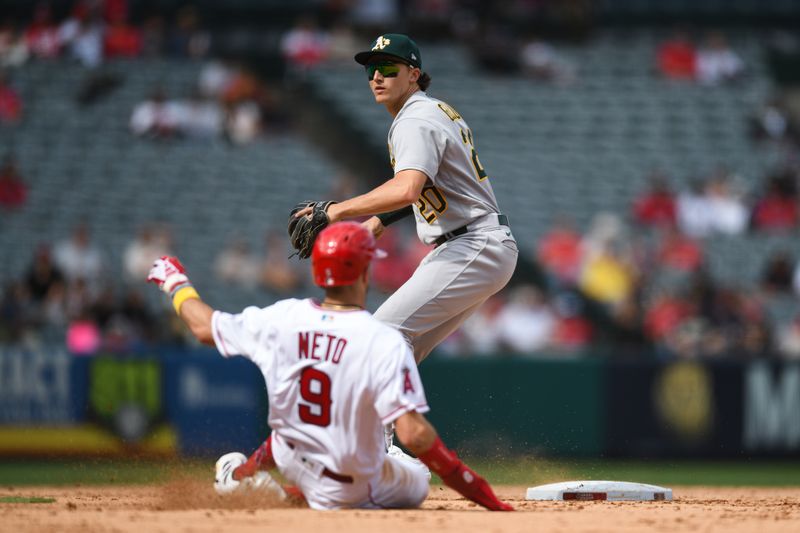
point(419, 491)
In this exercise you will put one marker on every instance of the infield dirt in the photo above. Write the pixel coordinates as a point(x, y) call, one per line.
point(188, 506)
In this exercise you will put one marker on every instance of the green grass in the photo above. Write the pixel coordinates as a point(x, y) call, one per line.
point(532, 472)
point(524, 471)
point(26, 499)
point(100, 472)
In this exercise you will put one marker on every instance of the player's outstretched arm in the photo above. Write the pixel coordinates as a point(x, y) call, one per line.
point(419, 436)
point(170, 276)
point(400, 191)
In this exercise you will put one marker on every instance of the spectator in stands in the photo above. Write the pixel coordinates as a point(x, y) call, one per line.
point(789, 338)
point(539, 60)
point(43, 275)
point(153, 36)
point(187, 39)
point(246, 100)
point(10, 103)
point(490, 48)
point(772, 121)
point(656, 207)
point(13, 191)
point(155, 117)
point(137, 258)
point(199, 117)
point(694, 211)
point(236, 265)
point(479, 334)
point(527, 323)
point(277, 274)
point(305, 45)
point(560, 251)
point(727, 211)
point(53, 308)
point(390, 273)
point(677, 58)
point(13, 49)
point(342, 44)
point(18, 314)
point(243, 122)
point(215, 78)
point(679, 252)
point(665, 313)
point(573, 331)
point(716, 62)
point(712, 207)
point(778, 273)
point(81, 35)
point(371, 17)
point(776, 211)
point(606, 276)
point(131, 325)
point(78, 258)
point(609, 271)
point(121, 39)
point(41, 37)
point(83, 335)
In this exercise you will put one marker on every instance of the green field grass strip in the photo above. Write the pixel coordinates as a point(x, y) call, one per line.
point(526, 471)
point(531, 472)
point(26, 499)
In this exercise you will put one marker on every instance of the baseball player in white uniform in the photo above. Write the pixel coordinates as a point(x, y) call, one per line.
point(334, 375)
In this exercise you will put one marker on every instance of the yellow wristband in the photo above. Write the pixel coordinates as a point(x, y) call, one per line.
point(182, 295)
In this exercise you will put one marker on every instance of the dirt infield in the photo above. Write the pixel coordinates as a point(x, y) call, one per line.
point(192, 506)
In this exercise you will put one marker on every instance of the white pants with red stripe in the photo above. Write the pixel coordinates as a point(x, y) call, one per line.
point(399, 484)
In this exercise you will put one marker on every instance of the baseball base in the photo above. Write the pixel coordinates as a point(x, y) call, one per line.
point(613, 491)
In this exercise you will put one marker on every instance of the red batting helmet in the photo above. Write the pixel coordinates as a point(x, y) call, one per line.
point(341, 253)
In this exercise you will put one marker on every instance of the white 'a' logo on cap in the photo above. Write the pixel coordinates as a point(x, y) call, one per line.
point(381, 43)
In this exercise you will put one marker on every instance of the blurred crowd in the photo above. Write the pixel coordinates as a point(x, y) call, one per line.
point(96, 30)
point(229, 101)
point(628, 284)
point(68, 294)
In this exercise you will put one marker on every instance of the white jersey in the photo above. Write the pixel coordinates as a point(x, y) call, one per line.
point(430, 136)
point(334, 378)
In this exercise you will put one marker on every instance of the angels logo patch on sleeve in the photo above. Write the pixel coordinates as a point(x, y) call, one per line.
point(408, 385)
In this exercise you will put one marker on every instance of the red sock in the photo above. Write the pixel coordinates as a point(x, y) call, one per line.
point(260, 460)
point(460, 477)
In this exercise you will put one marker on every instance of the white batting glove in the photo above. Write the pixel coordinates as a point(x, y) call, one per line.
point(169, 274)
point(259, 482)
point(223, 478)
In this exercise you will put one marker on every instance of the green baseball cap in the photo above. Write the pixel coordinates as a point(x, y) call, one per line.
point(395, 45)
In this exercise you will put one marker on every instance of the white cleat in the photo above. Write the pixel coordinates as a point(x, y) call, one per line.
point(260, 482)
point(398, 453)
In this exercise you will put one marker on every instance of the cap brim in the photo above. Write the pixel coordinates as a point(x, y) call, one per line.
point(363, 57)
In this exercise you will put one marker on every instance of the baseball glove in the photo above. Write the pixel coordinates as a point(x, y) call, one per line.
point(303, 231)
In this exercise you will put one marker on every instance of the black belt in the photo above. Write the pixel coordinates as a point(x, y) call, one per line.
point(502, 220)
point(328, 473)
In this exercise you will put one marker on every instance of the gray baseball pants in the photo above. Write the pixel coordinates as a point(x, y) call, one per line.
point(450, 283)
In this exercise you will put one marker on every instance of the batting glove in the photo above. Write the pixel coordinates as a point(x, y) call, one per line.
point(223, 478)
point(170, 276)
point(261, 481)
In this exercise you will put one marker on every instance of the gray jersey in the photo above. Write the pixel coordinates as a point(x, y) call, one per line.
point(430, 136)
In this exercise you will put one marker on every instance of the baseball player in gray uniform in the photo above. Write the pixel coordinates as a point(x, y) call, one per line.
point(438, 177)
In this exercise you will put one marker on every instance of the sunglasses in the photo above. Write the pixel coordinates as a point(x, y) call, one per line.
point(387, 70)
